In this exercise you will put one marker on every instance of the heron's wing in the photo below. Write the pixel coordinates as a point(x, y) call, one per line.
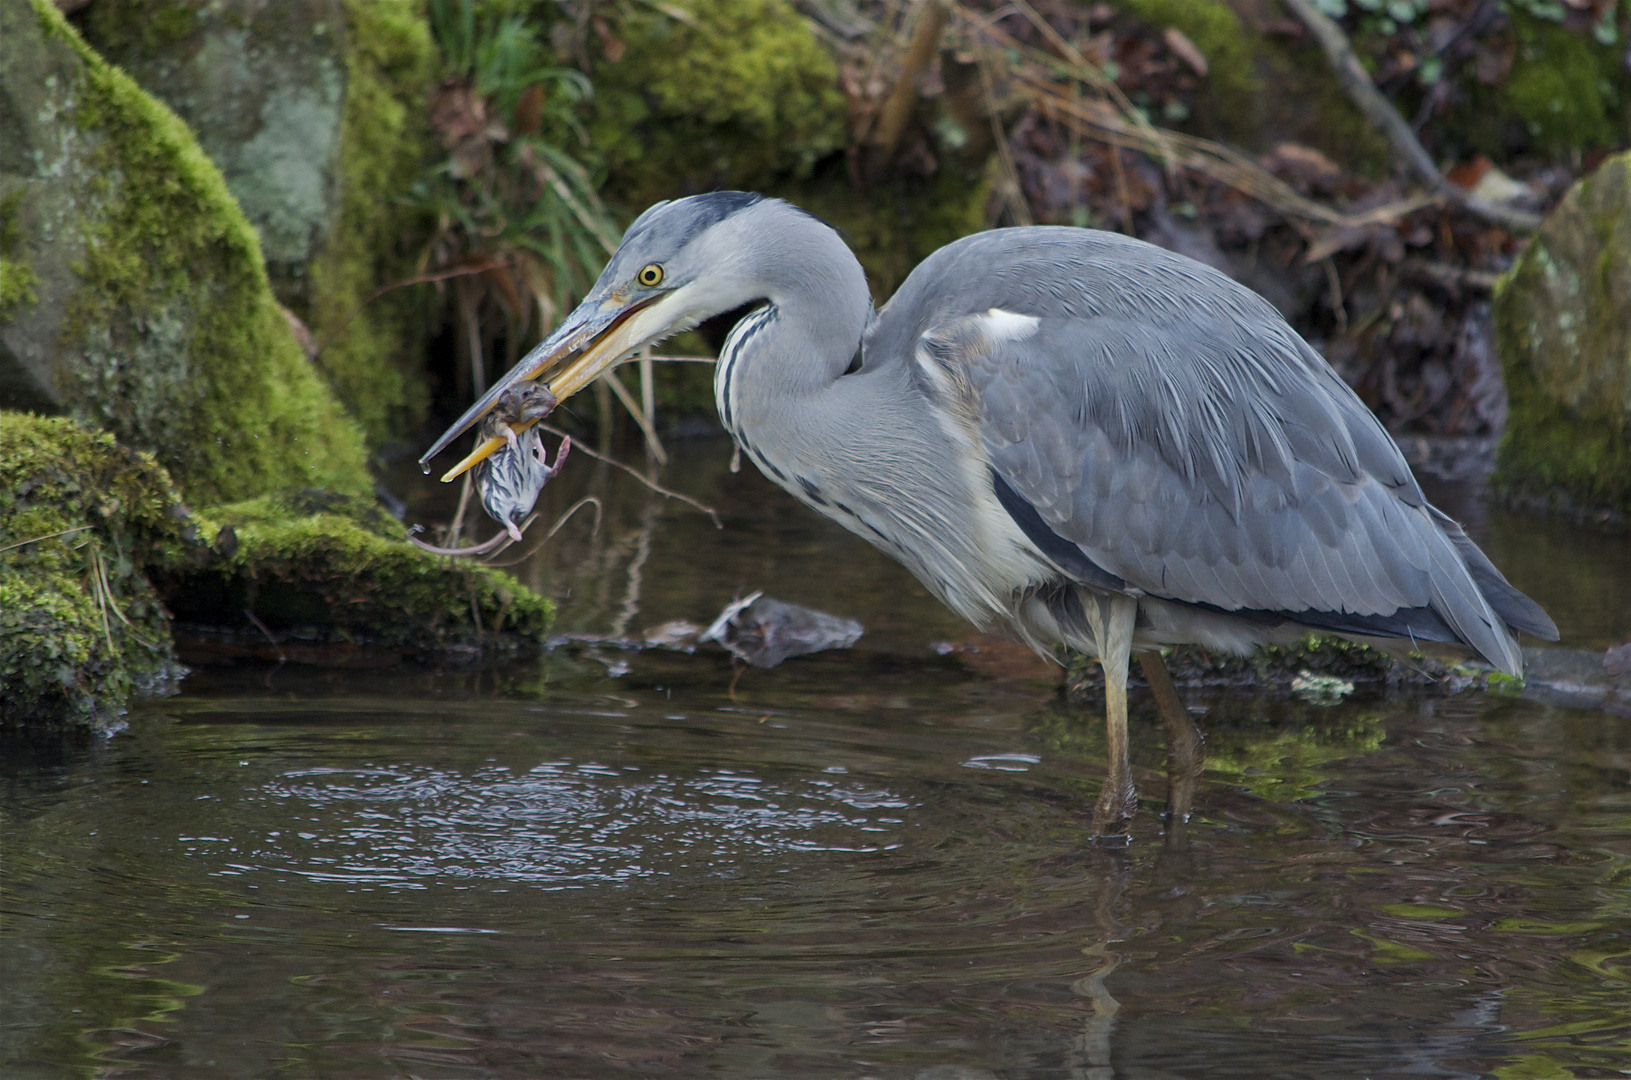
point(1212, 462)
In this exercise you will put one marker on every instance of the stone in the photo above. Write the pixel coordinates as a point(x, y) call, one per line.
point(135, 298)
point(315, 112)
point(262, 84)
point(1562, 323)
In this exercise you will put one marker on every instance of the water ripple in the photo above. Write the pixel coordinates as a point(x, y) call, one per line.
point(560, 824)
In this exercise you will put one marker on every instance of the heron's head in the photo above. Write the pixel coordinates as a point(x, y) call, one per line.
point(680, 263)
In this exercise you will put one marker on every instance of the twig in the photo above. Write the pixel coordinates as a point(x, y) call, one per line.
point(1219, 162)
point(418, 279)
point(113, 605)
point(464, 501)
point(101, 598)
point(1074, 66)
point(653, 485)
point(897, 107)
point(648, 390)
point(1012, 193)
point(1356, 81)
point(553, 529)
point(282, 657)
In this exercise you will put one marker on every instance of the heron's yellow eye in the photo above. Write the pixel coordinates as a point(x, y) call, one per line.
point(650, 275)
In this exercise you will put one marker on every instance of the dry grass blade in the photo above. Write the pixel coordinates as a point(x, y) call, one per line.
point(82, 528)
point(641, 420)
point(595, 223)
point(1075, 66)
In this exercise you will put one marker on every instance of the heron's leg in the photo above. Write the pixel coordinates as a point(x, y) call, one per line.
point(1113, 619)
point(1186, 746)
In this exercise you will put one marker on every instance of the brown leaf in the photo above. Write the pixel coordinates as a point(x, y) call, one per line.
point(1185, 50)
point(529, 110)
point(456, 112)
point(1303, 167)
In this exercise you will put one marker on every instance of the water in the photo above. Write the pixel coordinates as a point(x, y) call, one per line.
point(870, 863)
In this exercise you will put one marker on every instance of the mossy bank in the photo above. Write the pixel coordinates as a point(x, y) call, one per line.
point(101, 561)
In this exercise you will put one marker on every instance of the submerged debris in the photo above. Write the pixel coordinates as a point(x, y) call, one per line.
point(1320, 689)
point(764, 632)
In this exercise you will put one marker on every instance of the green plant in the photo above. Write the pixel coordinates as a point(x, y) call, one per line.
point(519, 222)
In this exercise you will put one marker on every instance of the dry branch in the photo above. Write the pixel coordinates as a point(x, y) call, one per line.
point(1356, 81)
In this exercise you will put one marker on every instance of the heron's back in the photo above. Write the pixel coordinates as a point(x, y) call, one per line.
point(1168, 425)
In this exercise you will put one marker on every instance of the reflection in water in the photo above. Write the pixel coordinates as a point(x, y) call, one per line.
point(867, 864)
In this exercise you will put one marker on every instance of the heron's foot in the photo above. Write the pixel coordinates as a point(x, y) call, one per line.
point(1114, 810)
point(560, 456)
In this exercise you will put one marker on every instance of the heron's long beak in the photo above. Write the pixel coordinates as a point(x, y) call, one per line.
point(604, 330)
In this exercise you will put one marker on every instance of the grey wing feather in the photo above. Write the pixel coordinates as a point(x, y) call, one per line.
point(1195, 447)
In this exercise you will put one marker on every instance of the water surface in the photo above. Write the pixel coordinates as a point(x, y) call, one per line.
point(872, 863)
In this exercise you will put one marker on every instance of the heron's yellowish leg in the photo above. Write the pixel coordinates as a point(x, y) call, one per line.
point(1186, 746)
point(1112, 620)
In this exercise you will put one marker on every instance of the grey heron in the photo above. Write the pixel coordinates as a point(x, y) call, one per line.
point(1089, 438)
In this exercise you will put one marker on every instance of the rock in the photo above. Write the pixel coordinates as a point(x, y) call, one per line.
point(99, 558)
point(150, 315)
point(1565, 342)
point(1577, 679)
point(764, 632)
point(82, 628)
point(263, 87)
point(315, 111)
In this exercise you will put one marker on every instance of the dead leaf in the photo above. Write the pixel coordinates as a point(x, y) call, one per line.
point(1185, 50)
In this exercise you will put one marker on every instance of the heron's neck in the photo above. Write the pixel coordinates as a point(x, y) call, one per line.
point(781, 369)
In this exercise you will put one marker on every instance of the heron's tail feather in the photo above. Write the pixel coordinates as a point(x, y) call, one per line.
point(1517, 610)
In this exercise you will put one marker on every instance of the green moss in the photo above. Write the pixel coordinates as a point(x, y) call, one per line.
point(370, 348)
point(739, 95)
point(1229, 102)
point(1569, 91)
point(333, 568)
point(182, 348)
point(81, 626)
point(17, 278)
point(143, 27)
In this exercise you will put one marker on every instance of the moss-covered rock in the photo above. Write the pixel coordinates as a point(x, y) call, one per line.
point(323, 567)
point(81, 626)
point(373, 349)
point(98, 554)
point(738, 94)
point(315, 110)
point(1565, 341)
point(153, 317)
point(262, 87)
